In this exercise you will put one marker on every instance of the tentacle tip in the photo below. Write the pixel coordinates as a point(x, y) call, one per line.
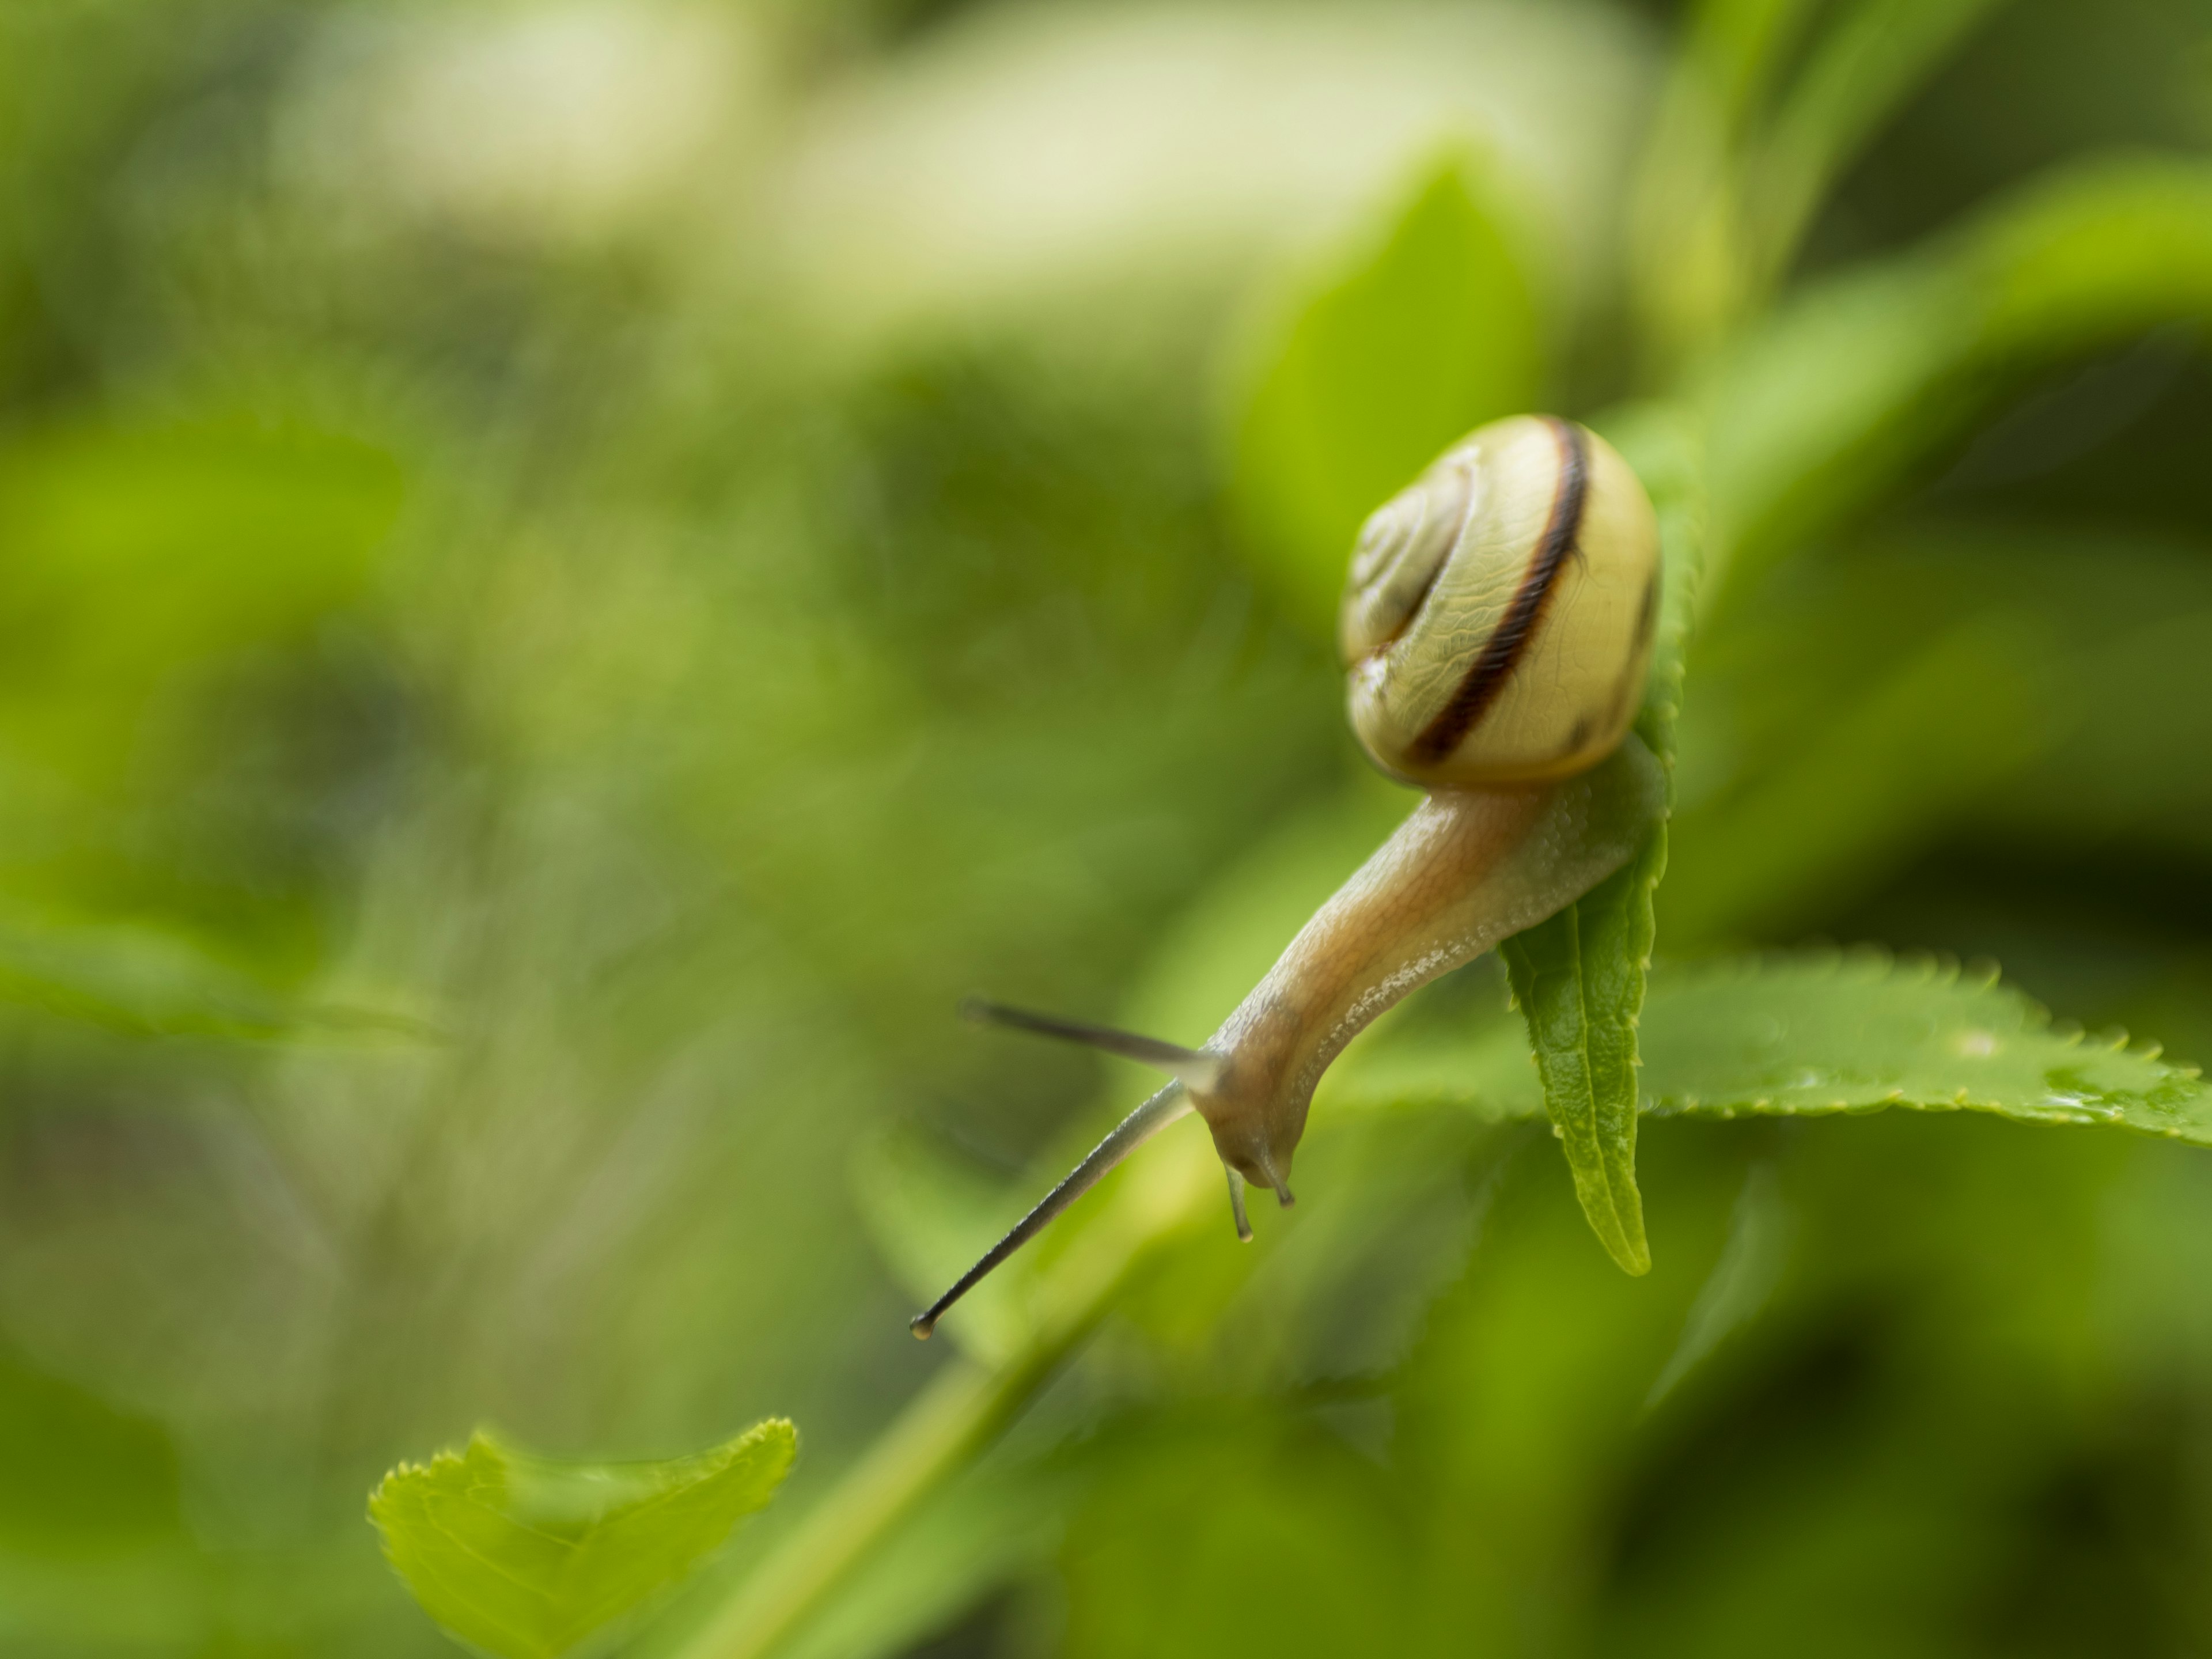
point(1237, 1205)
point(976, 1010)
point(921, 1325)
point(1285, 1197)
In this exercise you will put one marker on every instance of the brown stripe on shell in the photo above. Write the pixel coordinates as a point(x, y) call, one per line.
point(1494, 664)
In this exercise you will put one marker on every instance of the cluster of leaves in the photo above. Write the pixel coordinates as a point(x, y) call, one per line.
point(1425, 330)
point(517, 736)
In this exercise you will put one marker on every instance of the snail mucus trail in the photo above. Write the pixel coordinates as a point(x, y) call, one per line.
point(1496, 628)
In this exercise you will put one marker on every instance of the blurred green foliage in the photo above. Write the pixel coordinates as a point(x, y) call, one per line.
point(526, 1555)
point(572, 575)
point(1420, 340)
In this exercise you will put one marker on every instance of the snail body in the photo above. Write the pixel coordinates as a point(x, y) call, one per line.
point(1496, 628)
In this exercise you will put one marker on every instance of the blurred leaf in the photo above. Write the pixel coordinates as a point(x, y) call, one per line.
point(1736, 46)
point(1192, 140)
point(2096, 252)
point(132, 978)
point(1741, 1282)
point(78, 1477)
point(997, 1524)
point(1525, 1396)
point(135, 552)
point(151, 981)
point(1408, 343)
point(931, 1215)
point(1910, 747)
point(1729, 188)
point(1286, 1541)
point(526, 1556)
point(1866, 64)
point(1826, 405)
point(187, 748)
point(1810, 1035)
point(1578, 977)
point(2041, 688)
point(1339, 1290)
point(103, 1551)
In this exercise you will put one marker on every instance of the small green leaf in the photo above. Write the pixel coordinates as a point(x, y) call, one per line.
point(1406, 344)
point(1822, 1033)
point(526, 1556)
point(1577, 982)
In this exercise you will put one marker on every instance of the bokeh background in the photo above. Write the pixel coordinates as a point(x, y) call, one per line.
point(572, 575)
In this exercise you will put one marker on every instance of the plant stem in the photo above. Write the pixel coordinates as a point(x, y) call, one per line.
point(957, 1414)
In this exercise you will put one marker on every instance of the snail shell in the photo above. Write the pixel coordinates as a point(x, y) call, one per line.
point(1499, 619)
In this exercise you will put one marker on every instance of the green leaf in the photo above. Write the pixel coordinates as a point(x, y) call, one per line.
point(2009, 703)
point(1861, 1032)
point(136, 553)
point(1408, 341)
point(995, 1525)
point(527, 1556)
point(137, 978)
point(1732, 49)
point(1859, 71)
point(1729, 188)
point(169, 600)
point(1822, 1033)
point(147, 979)
point(1910, 746)
point(930, 1215)
point(1578, 978)
point(1824, 408)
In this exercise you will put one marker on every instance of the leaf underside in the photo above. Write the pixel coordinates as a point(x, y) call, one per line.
point(526, 1556)
point(1578, 979)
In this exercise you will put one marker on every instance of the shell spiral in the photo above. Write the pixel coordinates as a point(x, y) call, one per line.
point(1499, 615)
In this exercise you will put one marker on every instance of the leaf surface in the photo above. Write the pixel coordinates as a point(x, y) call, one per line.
point(1817, 1034)
point(1578, 979)
point(527, 1556)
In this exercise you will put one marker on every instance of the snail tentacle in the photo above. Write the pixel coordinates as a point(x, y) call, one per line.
point(1123, 1138)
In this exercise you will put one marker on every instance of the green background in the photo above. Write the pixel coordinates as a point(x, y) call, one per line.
point(572, 575)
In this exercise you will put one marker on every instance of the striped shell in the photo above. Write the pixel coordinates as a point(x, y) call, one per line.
point(1499, 620)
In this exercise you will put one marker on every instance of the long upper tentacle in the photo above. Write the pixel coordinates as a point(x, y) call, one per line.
point(1194, 1067)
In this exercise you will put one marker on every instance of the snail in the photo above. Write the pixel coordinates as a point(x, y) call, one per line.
point(1496, 628)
